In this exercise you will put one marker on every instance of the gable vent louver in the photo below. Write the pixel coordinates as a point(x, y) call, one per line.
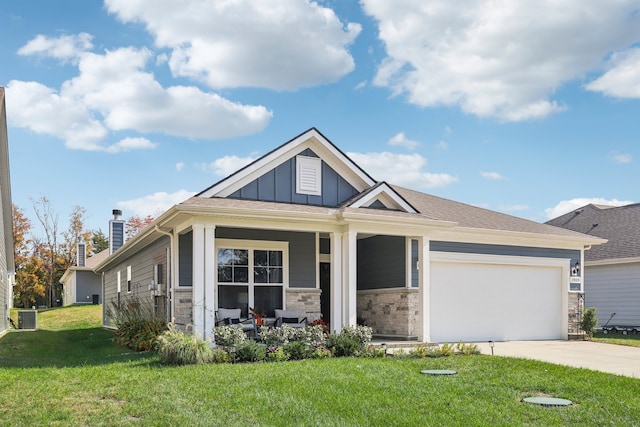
point(309, 177)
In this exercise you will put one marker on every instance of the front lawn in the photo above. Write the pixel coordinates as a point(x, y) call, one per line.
point(106, 385)
point(632, 340)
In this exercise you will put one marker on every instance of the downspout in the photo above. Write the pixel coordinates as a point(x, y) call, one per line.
point(173, 270)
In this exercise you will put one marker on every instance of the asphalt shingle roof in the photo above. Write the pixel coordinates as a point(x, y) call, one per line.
point(619, 225)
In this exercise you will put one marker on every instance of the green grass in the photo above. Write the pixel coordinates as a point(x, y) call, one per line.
point(618, 338)
point(81, 378)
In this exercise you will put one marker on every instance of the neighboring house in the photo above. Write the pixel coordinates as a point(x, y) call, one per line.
point(7, 266)
point(80, 284)
point(612, 270)
point(306, 229)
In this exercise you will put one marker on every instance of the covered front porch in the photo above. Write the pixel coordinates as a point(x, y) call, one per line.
point(343, 274)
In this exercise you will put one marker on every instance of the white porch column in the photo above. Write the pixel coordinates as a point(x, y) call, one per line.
point(350, 278)
point(198, 284)
point(210, 263)
point(424, 296)
point(336, 282)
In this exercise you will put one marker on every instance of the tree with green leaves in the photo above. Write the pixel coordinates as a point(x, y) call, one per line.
point(99, 241)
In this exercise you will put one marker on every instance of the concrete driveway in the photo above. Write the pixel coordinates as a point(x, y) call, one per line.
point(613, 359)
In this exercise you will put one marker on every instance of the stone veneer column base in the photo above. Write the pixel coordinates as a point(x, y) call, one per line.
point(576, 308)
point(390, 312)
point(305, 301)
point(183, 315)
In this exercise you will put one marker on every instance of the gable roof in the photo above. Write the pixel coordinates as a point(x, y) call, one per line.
point(473, 217)
point(619, 225)
point(312, 139)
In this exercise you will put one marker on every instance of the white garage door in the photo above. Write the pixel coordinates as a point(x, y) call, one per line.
point(482, 302)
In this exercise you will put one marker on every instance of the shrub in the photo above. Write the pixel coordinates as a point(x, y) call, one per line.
point(467, 349)
point(445, 350)
point(320, 353)
point(589, 321)
point(250, 351)
point(177, 348)
point(360, 333)
point(344, 345)
point(138, 325)
point(421, 351)
point(375, 352)
point(277, 354)
point(276, 336)
point(298, 350)
point(229, 336)
point(220, 355)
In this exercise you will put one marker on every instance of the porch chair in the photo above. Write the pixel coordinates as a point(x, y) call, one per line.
point(291, 318)
point(231, 317)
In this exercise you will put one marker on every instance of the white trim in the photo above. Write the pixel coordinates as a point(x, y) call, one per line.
point(384, 193)
point(407, 273)
point(210, 270)
point(424, 284)
point(118, 282)
point(309, 175)
point(129, 287)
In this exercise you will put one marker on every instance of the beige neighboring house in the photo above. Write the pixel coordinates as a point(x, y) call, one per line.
point(80, 283)
point(305, 228)
point(7, 265)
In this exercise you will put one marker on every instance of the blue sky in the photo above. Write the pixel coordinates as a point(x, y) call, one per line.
point(527, 108)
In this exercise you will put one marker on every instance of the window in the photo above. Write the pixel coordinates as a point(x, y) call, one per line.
point(251, 274)
point(128, 279)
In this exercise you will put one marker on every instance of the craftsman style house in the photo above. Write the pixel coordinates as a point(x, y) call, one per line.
point(304, 228)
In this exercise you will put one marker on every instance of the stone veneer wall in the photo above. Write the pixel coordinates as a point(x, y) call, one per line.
point(576, 307)
point(305, 301)
point(390, 311)
point(183, 315)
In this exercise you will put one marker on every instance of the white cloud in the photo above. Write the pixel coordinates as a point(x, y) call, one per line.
point(128, 144)
point(622, 80)
point(112, 91)
point(501, 58)
point(153, 204)
point(68, 47)
point(280, 44)
point(622, 158)
point(401, 169)
point(402, 140)
point(442, 145)
point(566, 206)
point(227, 165)
point(491, 175)
point(180, 166)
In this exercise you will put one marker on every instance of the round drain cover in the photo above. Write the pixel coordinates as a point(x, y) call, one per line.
point(438, 372)
point(547, 401)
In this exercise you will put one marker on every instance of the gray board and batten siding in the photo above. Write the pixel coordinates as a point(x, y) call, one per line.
point(279, 185)
point(381, 262)
point(614, 289)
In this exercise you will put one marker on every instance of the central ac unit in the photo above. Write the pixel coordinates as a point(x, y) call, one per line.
point(27, 319)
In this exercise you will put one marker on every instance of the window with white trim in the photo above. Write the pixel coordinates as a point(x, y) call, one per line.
point(251, 274)
point(129, 279)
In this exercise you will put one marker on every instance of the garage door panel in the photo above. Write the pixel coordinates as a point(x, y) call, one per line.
point(481, 302)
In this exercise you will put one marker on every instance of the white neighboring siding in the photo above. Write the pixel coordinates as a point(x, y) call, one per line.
point(614, 289)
